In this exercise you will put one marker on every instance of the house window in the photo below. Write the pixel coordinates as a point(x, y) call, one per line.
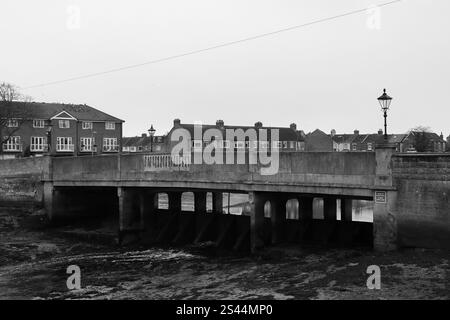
point(110, 126)
point(87, 125)
point(110, 145)
point(38, 144)
point(126, 149)
point(86, 144)
point(64, 124)
point(285, 145)
point(132, 149)
point(369, 147)
point(38, 123)
point(12, 144)
point(353, 146)
point(291, 144)
point(64, 144)
point(12, 123)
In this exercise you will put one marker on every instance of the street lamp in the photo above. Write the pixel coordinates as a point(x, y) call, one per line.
point(151, 133)
point(385, 102)
point(49, 138)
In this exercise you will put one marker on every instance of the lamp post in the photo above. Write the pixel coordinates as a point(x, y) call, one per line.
point(151, 133)
point(49, 138)
point(385, 102)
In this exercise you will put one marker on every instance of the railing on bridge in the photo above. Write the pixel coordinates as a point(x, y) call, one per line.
point(166, 162)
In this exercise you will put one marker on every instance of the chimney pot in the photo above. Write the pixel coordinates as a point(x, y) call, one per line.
point(293, 126)
point(356, 132)
point(380, 131)
point(258, 125)
point(176, 122)
point(333, 132)
point(220, 123)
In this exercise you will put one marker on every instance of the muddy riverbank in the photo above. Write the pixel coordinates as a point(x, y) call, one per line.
point(33, 264)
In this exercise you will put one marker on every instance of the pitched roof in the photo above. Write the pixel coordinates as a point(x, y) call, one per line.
point(285, 133)
point(42, 110)
point(343, 138)
point(141, 141)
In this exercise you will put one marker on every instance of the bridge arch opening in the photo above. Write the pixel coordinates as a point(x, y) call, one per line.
point(162, 201)
point(292, 209)
point(267, 209)
point(318, 213)
point(187, 201)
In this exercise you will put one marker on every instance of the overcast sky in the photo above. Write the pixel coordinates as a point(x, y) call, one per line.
point(325, 76)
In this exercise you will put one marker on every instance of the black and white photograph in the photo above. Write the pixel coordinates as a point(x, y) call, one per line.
point(222, 157)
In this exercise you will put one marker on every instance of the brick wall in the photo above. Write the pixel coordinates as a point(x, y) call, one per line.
point(423, 199)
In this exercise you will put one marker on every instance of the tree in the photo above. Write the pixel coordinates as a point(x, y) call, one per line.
point(10, 94)
point(422, 138)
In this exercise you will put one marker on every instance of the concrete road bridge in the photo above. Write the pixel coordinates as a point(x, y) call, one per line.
point(129, 185)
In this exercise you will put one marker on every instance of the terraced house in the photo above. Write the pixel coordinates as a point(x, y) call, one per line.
point(34, 129)
point(289, 139)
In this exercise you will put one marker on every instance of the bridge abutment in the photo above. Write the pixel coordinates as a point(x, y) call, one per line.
point(384, 217)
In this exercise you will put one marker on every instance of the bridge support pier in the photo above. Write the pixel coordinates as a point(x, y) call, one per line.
point(148, 205)
point(278, 218)
point(217, 202)
point(256, 201)
point(130, 215)
point(200, 202)
point(175, 201)
point(305, 208)
point(346, 209)
point(329, 209)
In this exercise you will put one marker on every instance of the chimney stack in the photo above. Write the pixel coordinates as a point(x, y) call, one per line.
point(220, 124)
point(380, 131)
point(293, 126)
point(258, 125)
point(356, 132)
point(176, 122)
point(144, 135)
point(333, 132)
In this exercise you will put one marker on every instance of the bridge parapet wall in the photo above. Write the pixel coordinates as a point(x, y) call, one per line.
point(331, 169)
point(423, 199)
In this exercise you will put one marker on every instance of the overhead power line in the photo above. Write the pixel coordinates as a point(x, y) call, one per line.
point(225, 44)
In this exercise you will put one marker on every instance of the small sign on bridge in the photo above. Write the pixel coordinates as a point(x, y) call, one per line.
point(380, 197)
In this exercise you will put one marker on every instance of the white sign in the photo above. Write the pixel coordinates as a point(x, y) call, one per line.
point(380, 197)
